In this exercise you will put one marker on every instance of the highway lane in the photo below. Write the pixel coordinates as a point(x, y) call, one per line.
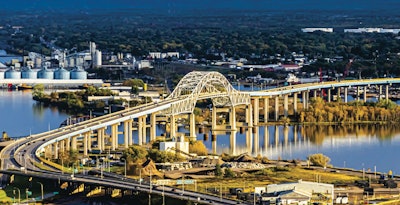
point(127, 184)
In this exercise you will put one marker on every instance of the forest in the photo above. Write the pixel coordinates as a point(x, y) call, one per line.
point(257, 36)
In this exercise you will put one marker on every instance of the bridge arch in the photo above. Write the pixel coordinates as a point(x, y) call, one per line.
point(198, 85)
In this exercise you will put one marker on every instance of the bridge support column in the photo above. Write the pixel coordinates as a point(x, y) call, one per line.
point(85, 144)
point(304, 97)
point(140, 130)
point(295, 103)
point(153, 126)
point(144, 127)
point(68, 144)
point(114, 136)
point(285, 105)
point(232, 143)
point(256, 111)
point(266, 109)
point(89, 142)
point(345, 94)
point(100, 138)
point(173, 126)
point(232, 119)
point(130, 138)
point(74, 143)
point(329, 95)
point(62, 145)
point(126, 133)
point(214, 118)
point(387, 93)
point(55, 150)
point(358, 93)
point(314, 94)
point(249, 115)
point(338, 95)
point(365, 94)
point(276, 108)
point(192, 127)
point(380, 92)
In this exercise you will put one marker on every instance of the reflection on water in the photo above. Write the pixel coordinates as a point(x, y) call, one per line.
point(355, 146)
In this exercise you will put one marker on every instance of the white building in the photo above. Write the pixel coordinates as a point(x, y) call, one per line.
point(178, 146)
point(311, 30)
point(372, 30)
point(303, 188)
point(161, 55)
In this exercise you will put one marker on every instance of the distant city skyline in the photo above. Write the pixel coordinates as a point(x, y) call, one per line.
point(73, 5)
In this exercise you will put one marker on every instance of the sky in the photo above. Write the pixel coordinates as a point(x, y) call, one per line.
point(24, 5)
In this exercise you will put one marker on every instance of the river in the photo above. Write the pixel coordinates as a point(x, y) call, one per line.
point(358, 147)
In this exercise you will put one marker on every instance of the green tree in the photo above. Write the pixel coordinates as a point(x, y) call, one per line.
point(218, 170)
point(229, 173)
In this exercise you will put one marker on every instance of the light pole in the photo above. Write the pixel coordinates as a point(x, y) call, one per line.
point(19, 195)
point(41, 189)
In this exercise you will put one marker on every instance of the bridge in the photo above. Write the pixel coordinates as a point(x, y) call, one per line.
point(90, 134)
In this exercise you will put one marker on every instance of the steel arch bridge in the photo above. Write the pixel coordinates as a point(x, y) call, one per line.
point(199, 85)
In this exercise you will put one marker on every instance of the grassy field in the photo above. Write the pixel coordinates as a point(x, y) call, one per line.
point(263, 177)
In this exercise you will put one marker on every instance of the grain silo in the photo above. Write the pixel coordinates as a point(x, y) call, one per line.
point(61, 74)
point(12, 74)
point(45, 73)
point(28, 73)
point(78, 74)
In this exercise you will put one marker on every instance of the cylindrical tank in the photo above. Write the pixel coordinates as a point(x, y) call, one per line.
point(28, 73)
point(45, 74)
point(62, 74)
point(79, 74)
point(12, 74)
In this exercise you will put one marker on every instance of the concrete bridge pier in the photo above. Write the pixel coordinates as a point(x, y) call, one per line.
point(153, 126)
point(295, 103)
point(249, 140)
point(304, 98)
point(173, 126)
point(55, 150)
point(144, 131)
point(214, 118)
point(130, 130)
point(365, 94)
point(85, 144)
point(68, 144)
point(140, 130)
point(192, 127)
point(256, 111)
point(276, 108)
point(126, 133)
point(100, 138)
point(345, 94)
point(114, 136)
point(74, 143)
point(286, 105)
point(266, 109)
point(232, 145)
point(387, 93)
point(249, 116)
point(232, 118)
point(338, 94)
point(214, 143)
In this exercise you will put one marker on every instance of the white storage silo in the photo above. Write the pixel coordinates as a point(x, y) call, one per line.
point(12, 74)
point(61, 74)
point(45, 73)
point(28, 73)
point(78, 74)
